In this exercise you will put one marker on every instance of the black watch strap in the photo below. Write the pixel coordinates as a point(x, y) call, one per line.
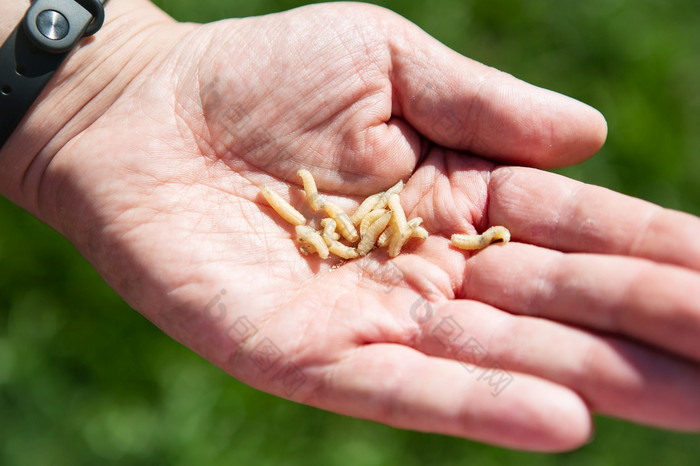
point(36, 49)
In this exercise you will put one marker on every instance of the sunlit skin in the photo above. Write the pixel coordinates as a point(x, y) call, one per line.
point(152, 170)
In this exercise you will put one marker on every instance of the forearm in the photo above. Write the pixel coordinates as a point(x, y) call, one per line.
point(89, 80)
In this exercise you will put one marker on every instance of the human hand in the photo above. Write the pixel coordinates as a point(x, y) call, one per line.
point(159, 191)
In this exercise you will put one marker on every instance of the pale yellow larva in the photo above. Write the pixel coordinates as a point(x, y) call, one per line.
point(396, 243)
point(384, 197)
point(310, 237)
point(369, 219)
point(364, 208)
point(344, 225)
point(399, 217)
point(375, 229)
point(329, 234)
point(475, 242)
point(342, 251)
point(386, 235)
point(414, 231)
point(419, 232)
point(310, 189)
point(415, 228)
point(331, 238)
point(282, 207)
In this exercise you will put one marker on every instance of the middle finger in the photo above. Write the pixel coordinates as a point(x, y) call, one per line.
point(629, 296)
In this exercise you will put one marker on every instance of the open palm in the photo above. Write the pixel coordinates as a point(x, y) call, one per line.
point(586, 311)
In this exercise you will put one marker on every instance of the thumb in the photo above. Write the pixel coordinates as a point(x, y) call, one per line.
point(462, 104)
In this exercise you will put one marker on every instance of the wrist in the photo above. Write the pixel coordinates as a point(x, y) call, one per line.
point(92, 77)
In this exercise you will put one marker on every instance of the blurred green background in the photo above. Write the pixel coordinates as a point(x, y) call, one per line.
point(86, 380)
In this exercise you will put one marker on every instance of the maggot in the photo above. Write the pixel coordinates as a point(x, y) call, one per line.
point(475, 242)
point(311, 237)
point(329, 234)
point(386, 236)
point(401, 233)
point(399, 217)
point(344, 225)
point(396, 242)
point(419, 232)
point(282, 207)
point(310, 189)
point(364, 208)
point(415, 228)
point(375, 229)
point(342, 251)
point(369, 219)
point(384, 197)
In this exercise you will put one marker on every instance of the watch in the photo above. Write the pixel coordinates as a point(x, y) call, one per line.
point(36, 49)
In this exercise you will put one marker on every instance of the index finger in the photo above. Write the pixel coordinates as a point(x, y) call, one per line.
point(559, 213)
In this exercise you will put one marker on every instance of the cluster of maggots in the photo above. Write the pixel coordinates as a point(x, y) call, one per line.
point(379, 221)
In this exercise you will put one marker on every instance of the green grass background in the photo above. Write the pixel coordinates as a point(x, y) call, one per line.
point(85, 380)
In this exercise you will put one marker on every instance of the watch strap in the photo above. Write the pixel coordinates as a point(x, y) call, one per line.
point(36, 49)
